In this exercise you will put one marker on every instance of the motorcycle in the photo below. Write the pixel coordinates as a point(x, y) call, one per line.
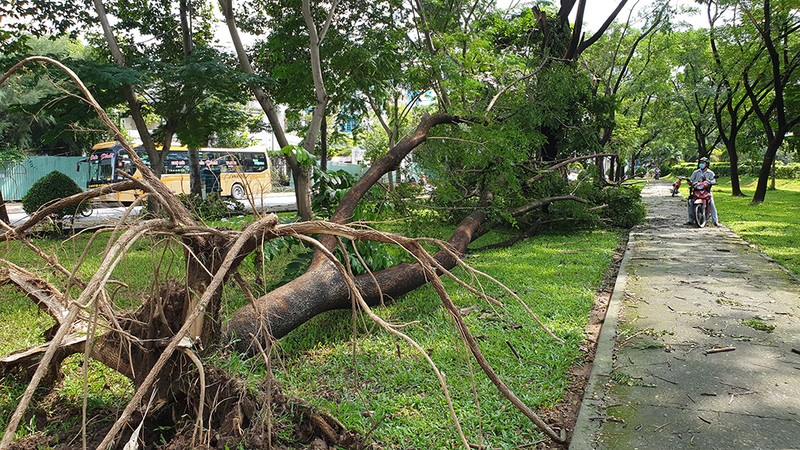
point(700, 198)
point(676, 186)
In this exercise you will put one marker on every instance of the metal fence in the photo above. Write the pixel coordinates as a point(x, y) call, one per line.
point(16, 178)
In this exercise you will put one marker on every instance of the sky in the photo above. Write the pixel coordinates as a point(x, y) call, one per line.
point(597, 11)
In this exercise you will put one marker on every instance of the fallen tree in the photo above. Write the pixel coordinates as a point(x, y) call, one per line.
point(182, 320)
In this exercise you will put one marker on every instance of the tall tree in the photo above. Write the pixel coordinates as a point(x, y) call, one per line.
point(177, 70)
point(40, 115)
point(695, 89)
point(732, 107)
point(776, 26)
point(629, 67)
point(300, 170)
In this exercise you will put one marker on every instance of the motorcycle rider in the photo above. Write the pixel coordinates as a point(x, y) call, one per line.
point(703, 173)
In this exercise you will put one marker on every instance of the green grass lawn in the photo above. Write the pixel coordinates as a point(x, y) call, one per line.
point(774, 226)
point(387, 391)
point(395, 397)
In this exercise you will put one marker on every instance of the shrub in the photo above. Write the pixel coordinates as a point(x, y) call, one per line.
point(666, 169)
point(213, 207)
point(52, 187)
point(721, 169)
point(787, 171)
point(625, 206)
point(751, 168)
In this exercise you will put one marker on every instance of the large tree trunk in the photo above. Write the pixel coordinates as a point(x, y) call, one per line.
point(766, 169)
point(323, 146)
point(3, 211)
point(322, 289)
point(634, 158)
point(550, 148)
point(302, 189)
point(195, 183)
point(620, 173)
point(733, 156)
point(302, 192)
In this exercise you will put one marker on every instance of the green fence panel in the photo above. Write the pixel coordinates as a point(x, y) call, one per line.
point(16, 178)
point(353, 169)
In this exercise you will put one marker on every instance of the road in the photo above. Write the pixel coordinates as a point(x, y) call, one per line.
point(103, 215)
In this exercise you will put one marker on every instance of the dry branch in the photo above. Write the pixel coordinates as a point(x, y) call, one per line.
point(45, 295)
point(544, 202)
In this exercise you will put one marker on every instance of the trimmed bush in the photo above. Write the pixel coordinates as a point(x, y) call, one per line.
point(52, 187)
point(787, 171)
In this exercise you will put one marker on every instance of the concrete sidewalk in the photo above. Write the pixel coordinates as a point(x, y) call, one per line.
point(684, 293)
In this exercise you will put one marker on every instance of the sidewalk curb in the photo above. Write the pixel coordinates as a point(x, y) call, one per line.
point(593, 406)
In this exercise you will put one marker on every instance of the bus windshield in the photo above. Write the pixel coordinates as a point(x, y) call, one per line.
point(101, 166)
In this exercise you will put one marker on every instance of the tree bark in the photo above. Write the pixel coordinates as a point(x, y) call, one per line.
point(195, 183)
point(322, 289)
point(733, 157)
point(3, 211)
point(133, 102)
point(302, 191)
point(302, 186)
point(550, 149)
point(186, 31)
point(620, 173)
point(766, 168)
point(323, 146)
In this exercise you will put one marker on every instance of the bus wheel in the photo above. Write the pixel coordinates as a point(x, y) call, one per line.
point(237, 191)
point(88, 208)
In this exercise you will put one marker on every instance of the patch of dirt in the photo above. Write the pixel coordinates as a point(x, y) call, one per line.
point(309, 428)
point(565, 414)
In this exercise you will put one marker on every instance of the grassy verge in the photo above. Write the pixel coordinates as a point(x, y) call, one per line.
point(774, 226)
point(22, 323)
point(386, 390)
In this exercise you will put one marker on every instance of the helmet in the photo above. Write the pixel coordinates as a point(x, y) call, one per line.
point(704, 159)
